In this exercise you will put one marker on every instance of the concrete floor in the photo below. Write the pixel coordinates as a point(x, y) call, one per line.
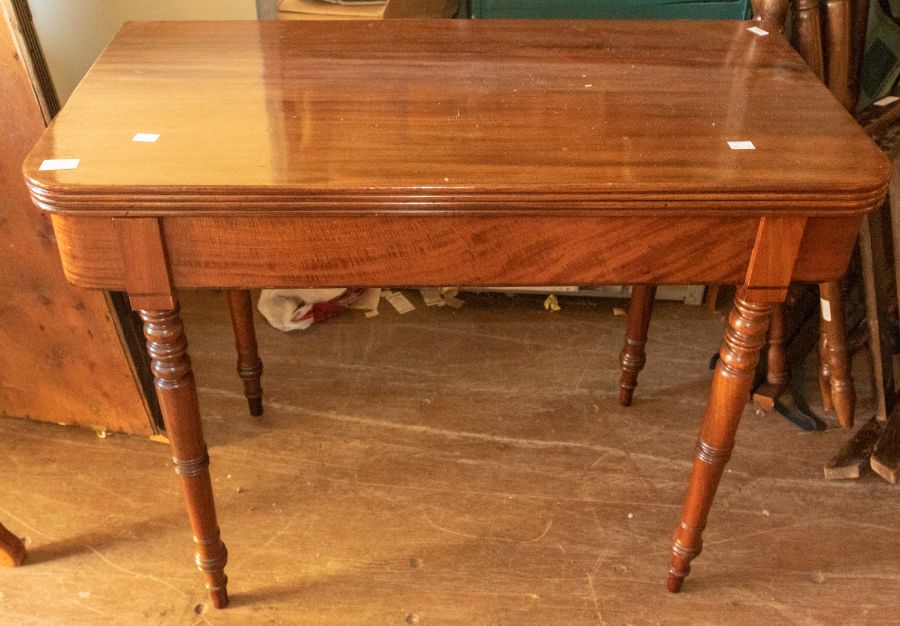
point(446, 466)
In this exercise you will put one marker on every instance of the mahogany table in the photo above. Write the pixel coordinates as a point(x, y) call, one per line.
point(452, 153)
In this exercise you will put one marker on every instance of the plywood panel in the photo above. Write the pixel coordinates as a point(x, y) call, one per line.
point(61, 358)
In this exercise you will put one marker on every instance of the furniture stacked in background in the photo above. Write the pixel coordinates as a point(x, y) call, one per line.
point(611, 9)
point(831, 39)
point(828, 35)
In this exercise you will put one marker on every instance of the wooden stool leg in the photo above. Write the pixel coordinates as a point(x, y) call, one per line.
point(177, 394)
point(12, 550)
point(733, 378)
point(640, 308)
point(843, 396)
point(249, 365)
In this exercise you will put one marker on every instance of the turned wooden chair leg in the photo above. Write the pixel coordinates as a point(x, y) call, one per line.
point(732, 380)
point(12, 550)
point(843, 396)
point(249, 365)
point(167, 347)
point(640, 308)
point(778, 372)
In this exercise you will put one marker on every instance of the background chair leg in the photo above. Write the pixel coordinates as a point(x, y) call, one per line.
point(843, 396)
point(633, 357)
point(12, 550)
point(732, 380)
point(249, 365)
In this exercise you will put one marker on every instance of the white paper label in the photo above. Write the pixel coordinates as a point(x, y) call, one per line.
point(826, 309)
point(59, 164)
point(146, 137)
point(756, 30)
point(741, 145)
point(886, 101)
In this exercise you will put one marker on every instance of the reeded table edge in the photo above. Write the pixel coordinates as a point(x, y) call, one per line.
point(187, 201)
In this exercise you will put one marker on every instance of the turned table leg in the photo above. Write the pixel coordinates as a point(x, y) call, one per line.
point(824, 371)
point(732, 380)
point(777, 371)
point(249, 365)
point(777, 368)
point(843, 396)
point(177, 394)
point(12, 550)
point(640, 308)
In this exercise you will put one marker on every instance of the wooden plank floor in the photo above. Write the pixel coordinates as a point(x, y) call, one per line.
point(449, 466)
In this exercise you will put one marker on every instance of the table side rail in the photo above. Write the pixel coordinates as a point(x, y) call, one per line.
point(391, 250)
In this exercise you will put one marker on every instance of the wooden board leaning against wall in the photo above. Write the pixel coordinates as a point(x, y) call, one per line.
point(63, 359)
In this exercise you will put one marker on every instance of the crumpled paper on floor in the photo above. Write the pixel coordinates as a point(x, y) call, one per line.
point(298, 309)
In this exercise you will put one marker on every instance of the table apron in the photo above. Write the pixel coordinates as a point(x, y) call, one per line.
point(245, 251)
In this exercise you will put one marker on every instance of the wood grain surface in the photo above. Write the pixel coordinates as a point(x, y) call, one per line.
point(469, 153)
point(428, 116)
point(56, 343)
point(475, 469)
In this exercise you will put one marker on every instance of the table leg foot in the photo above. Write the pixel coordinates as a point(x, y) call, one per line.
point(167, 347)
point(249, 365)
point(219, 597)
point(12, 550)
point(733, 378)
point(777, 367)
point(633, 357)
point(675, 579)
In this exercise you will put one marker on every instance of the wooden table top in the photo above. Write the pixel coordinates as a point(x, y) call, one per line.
point(429, 116)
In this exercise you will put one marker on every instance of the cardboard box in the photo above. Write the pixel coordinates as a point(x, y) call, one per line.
point(395, 9)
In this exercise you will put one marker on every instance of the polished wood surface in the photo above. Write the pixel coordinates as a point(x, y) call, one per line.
point(840, 382)
point(212, 251)
point(837, 31)
point(835, 46)
point(55, 342)
point(633, 356)
point(806, 35)
point(249, 365)
point(733, 377)
point(430, 116)
point(777, 366)
point(770, 14)
point(177, 393)
point(859, 15)
point(470, 153)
